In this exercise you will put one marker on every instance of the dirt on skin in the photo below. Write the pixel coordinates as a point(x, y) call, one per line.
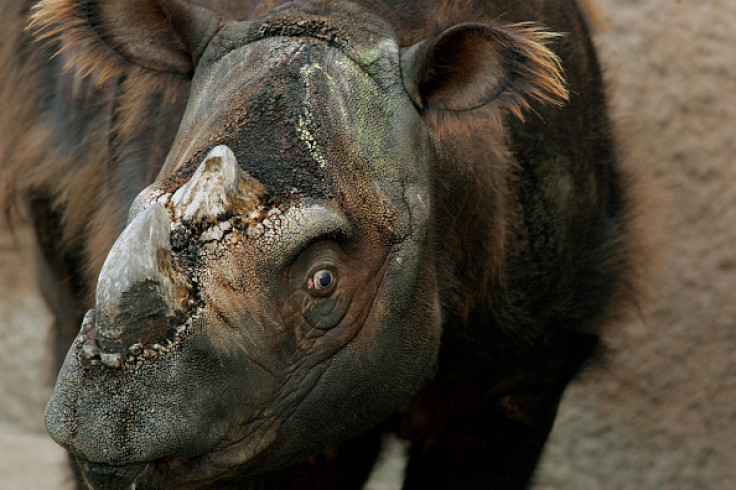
point(662, 412)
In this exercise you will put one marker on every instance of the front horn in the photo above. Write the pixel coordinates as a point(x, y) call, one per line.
point(136, 297)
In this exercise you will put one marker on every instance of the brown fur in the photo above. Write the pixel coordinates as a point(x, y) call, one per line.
point(72, 177)
point(488, 171)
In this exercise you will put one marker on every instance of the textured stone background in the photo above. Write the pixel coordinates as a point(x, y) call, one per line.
point(662, 413)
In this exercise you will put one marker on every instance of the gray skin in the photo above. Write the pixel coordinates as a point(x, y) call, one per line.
point(225, 354)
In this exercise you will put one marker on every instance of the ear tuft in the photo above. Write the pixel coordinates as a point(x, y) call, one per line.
point(107, 38)
point(471, 65)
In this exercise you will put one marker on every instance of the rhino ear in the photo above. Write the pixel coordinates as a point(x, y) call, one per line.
point(106, 36)
point(470, 65)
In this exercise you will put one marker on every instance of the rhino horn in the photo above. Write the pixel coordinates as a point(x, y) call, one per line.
point(217, 187)
point(136, 297)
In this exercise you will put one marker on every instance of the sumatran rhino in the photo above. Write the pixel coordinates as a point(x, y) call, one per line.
point(335, 220)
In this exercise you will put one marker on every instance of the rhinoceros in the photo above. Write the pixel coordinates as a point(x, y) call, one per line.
point(288, 229)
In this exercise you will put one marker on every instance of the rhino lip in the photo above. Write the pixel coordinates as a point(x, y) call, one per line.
point(107, 477)
point(94, 351)
point(161, 473)
point(156, 474)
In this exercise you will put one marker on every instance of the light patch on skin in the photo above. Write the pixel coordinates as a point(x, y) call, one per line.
point(216, 232)
point(386, 49)
point(369, 126)
point(306, 120)
point(308, 70)
point(289, 229)
point(269, 228)
point(306, 136)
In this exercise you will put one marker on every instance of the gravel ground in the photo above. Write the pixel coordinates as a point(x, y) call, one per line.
point(662, 413)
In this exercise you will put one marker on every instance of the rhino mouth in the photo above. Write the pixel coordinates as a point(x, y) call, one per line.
point(100, 476)
point(127, 433)
point(161, 473)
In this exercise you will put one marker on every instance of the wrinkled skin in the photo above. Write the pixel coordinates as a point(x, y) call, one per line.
point(351, 232)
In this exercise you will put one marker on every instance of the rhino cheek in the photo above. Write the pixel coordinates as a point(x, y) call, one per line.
point(393, 352)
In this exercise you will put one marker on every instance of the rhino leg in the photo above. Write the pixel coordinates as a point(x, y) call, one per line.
point(494, 435)
point(506, 450)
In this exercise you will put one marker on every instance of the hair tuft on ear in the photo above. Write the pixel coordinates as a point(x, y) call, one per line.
point(534, 70)
point(472, 65)
point(67, 23)
point(106, 38)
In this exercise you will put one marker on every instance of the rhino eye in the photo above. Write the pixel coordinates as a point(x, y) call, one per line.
point(322, 282)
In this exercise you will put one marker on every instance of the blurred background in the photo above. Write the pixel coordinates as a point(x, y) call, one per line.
point(662, 412)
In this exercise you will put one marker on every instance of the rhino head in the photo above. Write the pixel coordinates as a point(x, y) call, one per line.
point(275, 290)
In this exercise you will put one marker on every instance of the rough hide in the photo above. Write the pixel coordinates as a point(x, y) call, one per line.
point(340, 223)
